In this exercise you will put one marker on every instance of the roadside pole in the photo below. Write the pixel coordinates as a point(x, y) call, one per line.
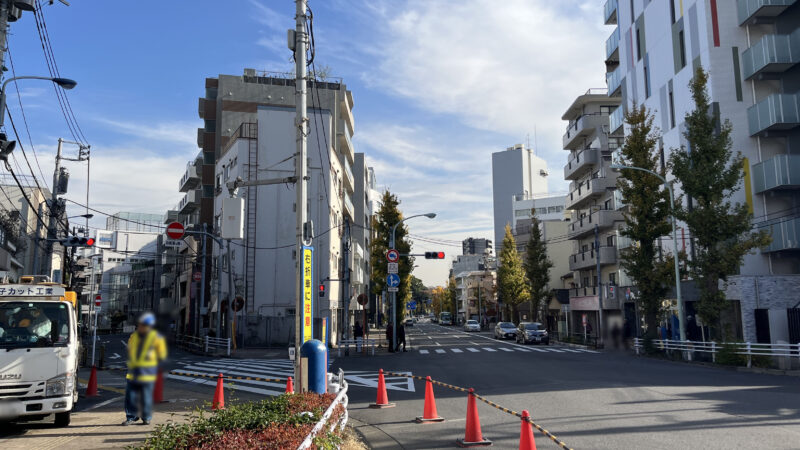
point(599, 284)
point(202, 298)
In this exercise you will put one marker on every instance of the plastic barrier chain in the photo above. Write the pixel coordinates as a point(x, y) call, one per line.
point(488, 402)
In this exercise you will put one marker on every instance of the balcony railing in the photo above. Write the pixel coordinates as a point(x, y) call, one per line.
point(614, 82)
point(779, 172)
point(610, 12)
point(585, 291)
point(588, 259)
point(579, 161)
point(345, 144)
point(348, 205)
point(189, 202)
point(753, 11)
point(774, 53)
point(785, 235)
point(616, 120)
point(583, 126)
point(190, 178)
point(349, 180)
point(774, 113)
point(604, 218)
point(347, 114)
point(612, 46)
point(589, 189)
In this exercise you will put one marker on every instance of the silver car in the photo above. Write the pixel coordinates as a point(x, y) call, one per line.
point(505, 330)
point(472, 325)
point(532, 332)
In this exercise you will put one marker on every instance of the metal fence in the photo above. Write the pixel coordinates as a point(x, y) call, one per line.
point(787, 352)
point(341, 398)
point(204, 345)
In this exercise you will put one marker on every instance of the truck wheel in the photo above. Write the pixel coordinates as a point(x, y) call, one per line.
point(62, 419)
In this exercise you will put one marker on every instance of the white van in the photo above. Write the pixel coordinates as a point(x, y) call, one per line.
point(39, 348)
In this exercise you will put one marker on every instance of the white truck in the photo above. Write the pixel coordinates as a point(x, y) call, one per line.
point(39, 348)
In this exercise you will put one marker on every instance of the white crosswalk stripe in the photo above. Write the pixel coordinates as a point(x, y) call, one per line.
point(258, 368)
point(489, 349)
point(506, 349)
point(245, 370)
point(438, 350)
point(456, 350)
point(473, 349)
point(423, 352)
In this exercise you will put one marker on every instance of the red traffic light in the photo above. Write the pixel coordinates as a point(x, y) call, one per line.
point(90, 242)
point(440, 255)
point(322, 290)
point(434, 255)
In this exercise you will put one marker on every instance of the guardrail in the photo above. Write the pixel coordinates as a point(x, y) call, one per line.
point(341, 398)
point(365, 343)
point(203, 345)
point(748, 349)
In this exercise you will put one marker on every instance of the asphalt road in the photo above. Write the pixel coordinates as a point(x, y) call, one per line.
point(590, 400)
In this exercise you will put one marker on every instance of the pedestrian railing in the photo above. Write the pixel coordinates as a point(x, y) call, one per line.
point(341, 399)
point(218, 343)
point(347, 343)
point(203, 345)
point(748, 349)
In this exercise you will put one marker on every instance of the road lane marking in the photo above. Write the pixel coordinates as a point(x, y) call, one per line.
point(538, 350)
point(472, 349)
point(555, 350)
point(457, 350)
point(571, 350)
point(505, 349)
point(489, 349)
point(423, 352)
point(438, 350)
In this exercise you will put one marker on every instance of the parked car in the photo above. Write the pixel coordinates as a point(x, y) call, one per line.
point(472, 325)
point(505, 330)
point(532, 332)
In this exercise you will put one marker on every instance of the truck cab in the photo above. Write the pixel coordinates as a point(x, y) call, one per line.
point(39, 348)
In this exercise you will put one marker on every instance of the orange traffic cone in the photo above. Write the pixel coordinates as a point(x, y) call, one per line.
point(219, 395)
point(429, 413)
point(526, 441)
point(383, 400)
point(472, 436)
point(289, 386)
point(91, 389)
point(158, 391)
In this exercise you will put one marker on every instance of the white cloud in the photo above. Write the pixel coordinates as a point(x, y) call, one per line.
point(157, 134)
point(501, 66)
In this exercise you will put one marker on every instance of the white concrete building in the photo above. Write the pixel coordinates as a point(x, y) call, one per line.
point(750, 48)
point(264, 262)
point(515, 171)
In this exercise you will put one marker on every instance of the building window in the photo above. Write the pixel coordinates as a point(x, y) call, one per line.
point(610, 241)
point(672, 10)
point(671, 110)
point(612, 278)
point(682, 48)
point(638, 45)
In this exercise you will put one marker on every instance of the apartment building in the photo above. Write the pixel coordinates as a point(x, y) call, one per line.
point(593, 205)
point(23, 244)
point(255, 121)
point(476, 246)
point(750, 48)
point(515, 171)
point(364, 198)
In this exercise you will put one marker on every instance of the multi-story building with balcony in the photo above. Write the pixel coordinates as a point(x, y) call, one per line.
point(254, 119)
point(751, 50)
point(591, 230)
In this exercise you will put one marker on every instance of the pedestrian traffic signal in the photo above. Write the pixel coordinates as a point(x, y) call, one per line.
point(434, 255)
point(322, 290)
point(75, 241)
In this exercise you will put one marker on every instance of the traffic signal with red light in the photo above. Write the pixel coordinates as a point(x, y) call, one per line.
point(434, 255)
point(75, 241)
point(322, 290)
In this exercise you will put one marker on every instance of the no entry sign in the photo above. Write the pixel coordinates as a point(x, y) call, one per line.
point(175, 230)
point(97, 299)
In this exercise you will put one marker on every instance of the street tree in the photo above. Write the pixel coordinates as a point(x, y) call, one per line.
point(438, 296)
point(647, 216)
point(388, 215)
point(451, 299)
point(709, 173)
point(537, 269)
point(511, 281)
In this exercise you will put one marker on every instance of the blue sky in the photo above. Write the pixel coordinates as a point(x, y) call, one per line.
point(438, 86)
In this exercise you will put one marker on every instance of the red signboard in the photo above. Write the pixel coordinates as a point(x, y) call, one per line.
point(97, 300)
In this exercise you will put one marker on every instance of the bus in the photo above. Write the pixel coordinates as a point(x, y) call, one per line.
point(445, 318)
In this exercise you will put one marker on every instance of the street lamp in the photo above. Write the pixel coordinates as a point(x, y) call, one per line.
point(65, 83)
point(394, 294)
point(668, 184)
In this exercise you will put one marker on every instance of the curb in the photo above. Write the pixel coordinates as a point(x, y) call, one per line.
point(756, 370)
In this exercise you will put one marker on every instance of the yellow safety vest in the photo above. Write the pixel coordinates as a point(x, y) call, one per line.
point(143, 357)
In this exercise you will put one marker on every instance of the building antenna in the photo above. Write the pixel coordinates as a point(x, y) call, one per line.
point(528, 141)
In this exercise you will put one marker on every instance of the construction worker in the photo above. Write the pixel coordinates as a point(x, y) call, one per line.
point(146, 349)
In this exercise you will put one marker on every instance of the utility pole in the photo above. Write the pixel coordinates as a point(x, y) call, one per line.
point(301, 122)
point(54, 210)
point(202, 297)
point(599, 283)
